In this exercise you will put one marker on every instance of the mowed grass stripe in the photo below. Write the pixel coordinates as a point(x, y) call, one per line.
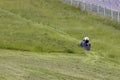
point(29, 65)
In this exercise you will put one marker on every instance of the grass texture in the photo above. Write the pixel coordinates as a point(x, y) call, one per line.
point(39, 41)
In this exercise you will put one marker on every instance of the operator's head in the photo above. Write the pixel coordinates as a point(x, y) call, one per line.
point(86, 38)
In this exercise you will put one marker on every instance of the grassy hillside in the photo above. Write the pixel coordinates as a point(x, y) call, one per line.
point(52, 30)
point(18, 32)
point(25, 17)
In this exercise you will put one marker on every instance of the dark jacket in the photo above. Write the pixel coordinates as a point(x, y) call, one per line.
point(85, 44)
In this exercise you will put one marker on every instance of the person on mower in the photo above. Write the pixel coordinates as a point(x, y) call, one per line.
point(85, 43)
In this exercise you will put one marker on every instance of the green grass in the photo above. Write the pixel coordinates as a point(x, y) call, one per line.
point(19, 65)
point(45, 34)
point(22, 34)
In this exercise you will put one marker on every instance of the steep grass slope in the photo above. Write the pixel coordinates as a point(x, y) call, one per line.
point(22, 34)
point(53, 29)
point(104, 34)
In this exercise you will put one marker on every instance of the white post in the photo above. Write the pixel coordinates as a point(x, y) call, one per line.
point(83, 2)
point(111, 13)
point(98, 9)
point(83, 5)
point(118, 17)
point(104, 12)
point(79, 4)
point(90, 7)
point(71, 2)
